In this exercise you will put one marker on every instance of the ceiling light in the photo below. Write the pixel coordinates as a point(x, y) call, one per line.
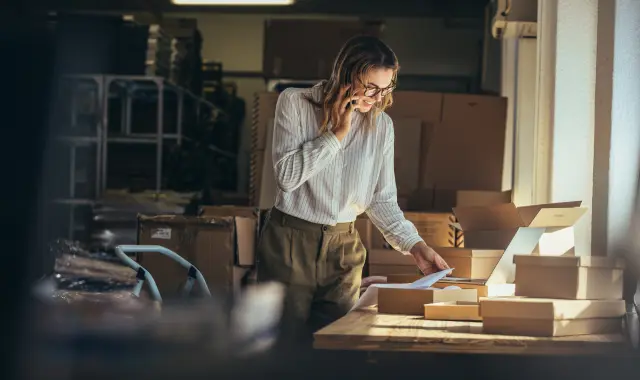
point(233, 2)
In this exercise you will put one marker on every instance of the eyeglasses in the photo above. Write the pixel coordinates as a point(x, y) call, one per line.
point(371, 90)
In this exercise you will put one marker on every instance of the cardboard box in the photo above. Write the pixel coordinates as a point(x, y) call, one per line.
point(569, 277)
point(214, 245)
point(549, 317)
point(308, 60)
point(387, 261)
point(241, 211)
point(388, 269)
point(179, 27)
point(483, 287)
point(500, 226)
point(515, 230)
point(426, 106)
point(472, 124)
point(435, 228)
point(403, 278)
point(468, 147)
point(264, 109)
point(471, 263)
point(412, 301)
point(255, 176)
point(484, 290)
point(408, 135)
point(453, 311)
point(423, 106)
point(268, 185)
point(444, 200)
point(365, 230)
point(390, 257)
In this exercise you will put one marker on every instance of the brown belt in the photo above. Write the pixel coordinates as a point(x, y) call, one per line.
point(287, 220)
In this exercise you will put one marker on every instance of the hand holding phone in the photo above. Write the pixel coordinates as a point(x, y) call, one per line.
point(342, 112)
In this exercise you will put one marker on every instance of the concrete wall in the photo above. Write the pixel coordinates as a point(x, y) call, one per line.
point(423, 46)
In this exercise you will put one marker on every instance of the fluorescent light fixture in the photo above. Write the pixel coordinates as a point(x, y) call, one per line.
point(233, 2)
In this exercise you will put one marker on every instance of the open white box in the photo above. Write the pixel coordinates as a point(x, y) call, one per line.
point(517, 230)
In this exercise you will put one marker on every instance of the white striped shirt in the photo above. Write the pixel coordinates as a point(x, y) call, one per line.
point(326, 181)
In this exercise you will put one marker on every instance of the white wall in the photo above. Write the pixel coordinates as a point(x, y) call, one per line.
point(519, 67)
point(572, 155)
point(625, 120)
point(424, 46)
point(588, 121)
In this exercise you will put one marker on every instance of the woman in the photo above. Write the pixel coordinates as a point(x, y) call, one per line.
point(333, 154)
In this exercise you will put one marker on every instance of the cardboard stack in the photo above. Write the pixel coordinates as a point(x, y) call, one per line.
point(264, 108)
point(493, 236)
point(551, 317)
point(220, 242)
point(510, 230)
point(527, 292)
point(434, 228)
point(413, 301)
point(462, 141)
point(559, 296)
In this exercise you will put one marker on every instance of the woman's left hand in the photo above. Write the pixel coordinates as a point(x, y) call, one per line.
point(427, 259)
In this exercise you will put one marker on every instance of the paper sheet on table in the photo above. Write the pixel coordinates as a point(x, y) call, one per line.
point(370, 296)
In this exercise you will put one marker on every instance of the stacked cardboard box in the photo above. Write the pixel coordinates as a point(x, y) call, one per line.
point(434, 228)
point(462, 141)
point(559, 296)
point(529, 293)
point(220, 242)
point(159, 49)
point(496, 233)
point(264, 107)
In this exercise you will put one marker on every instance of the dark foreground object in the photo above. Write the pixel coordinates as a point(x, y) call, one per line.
point(85, 358)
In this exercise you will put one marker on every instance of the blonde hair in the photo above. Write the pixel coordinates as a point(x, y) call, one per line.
point(357, 57)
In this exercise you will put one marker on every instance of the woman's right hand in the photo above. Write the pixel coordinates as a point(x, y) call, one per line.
point(342, 111)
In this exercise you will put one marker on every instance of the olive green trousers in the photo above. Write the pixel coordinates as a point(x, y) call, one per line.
point(321, 266)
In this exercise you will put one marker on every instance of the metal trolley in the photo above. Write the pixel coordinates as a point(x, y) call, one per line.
point(193, 274)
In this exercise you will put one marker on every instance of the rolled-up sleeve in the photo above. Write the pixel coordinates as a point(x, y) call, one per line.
point(294, 159)
point(384, 211)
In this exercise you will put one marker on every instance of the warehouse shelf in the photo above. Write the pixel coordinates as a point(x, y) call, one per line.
point(84, 129)
point(136, 87)
point(78, 140)
point(141, 138)
point(75, 218)
point(76, 201)
point(144, 83)
point(215, 149)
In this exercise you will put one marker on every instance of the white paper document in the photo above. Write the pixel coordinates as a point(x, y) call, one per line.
point(370, 296)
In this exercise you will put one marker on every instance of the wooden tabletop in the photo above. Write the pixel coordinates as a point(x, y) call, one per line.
point(366, 330)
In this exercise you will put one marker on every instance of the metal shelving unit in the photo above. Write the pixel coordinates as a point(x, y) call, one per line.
point(101, 90)
point(131, 86)
point(82, 187)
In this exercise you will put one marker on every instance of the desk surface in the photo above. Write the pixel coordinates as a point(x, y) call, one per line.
point(366, 330)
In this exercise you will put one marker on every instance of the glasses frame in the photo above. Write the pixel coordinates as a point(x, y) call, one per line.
point(378, 90)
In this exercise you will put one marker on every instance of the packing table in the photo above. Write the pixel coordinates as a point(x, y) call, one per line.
point(366, 330)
